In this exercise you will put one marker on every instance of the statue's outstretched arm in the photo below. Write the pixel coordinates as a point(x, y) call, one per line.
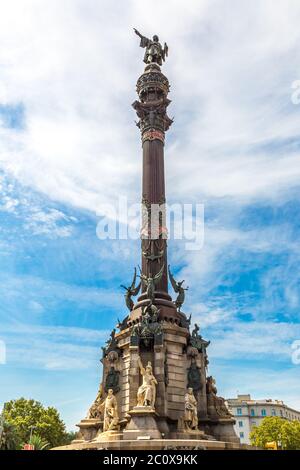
point(144, 41)
point(137, 33)
point(102, 406)
point(141, 366)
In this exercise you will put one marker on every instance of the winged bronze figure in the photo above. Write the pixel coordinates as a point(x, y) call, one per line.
point(177, 286)
point(131, 291)
point(151, 282)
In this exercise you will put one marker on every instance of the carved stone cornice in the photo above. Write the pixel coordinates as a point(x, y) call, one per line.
point(153, 119)
point(153, 134)
point(153, 88)
point(152, 80)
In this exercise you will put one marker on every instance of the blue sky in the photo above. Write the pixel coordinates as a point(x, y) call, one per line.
point(68, 145)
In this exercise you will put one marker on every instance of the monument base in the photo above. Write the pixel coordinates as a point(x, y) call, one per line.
point(108, 436)
point(157, 444)
point(142, 424)
point(222, 429)
point(198, 435)
point(88, 429)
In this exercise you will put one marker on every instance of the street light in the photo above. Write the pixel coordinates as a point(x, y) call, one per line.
point(31, 429)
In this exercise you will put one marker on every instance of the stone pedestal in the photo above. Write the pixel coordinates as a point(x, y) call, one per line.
point(158, 445)
point(109, 436)
point(142, 424)
point(222, 429)
point(199, 435)
point(88, 429)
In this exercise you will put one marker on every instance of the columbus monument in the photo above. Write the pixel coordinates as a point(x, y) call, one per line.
point(155, 392)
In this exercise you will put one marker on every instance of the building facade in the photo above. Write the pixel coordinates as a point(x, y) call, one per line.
point(249, 413)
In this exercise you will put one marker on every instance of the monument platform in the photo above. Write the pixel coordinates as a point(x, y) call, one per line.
point(157, 444)
point(142, 425)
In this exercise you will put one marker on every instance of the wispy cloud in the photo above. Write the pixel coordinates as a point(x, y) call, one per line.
point(234, 146)
point(31, 211)
point(50, 223)
point(261, 382)
point(52, 348)
point(226, 81)
point(254, 341)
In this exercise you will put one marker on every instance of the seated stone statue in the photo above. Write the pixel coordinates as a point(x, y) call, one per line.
point(216, 405)
point(190, 418)
point(147, 391)
point(94, 411)
point(110, 412)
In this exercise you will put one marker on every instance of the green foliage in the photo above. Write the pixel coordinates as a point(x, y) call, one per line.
point(38, 442)
point(9, 439)
point(291, 435)
point(285, 433)
point(26, 414)
point(69, 437)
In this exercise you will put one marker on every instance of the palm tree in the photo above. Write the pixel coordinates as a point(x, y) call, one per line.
point(8, 437)
point(38, 442)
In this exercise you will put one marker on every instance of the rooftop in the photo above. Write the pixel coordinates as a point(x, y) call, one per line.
point(246, 398)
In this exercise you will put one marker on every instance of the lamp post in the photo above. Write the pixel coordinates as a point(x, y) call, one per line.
point(31, 429)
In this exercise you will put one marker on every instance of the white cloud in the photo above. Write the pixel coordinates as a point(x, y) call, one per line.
point(58, 332)
point(36, 217)
point(261, 382)
point(253, 341)
point(48, 290)
point(231, 67)
point(52, 348)
point(229, 253)
point(36, 307)
point(74, 68)
point(2, 352)
point(49, 223)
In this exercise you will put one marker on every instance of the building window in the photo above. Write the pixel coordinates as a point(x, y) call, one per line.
point(241, 435)
point(281, 414)
point(273, 412)
point(253, 423)
point(252, 412)
point(241, 424)
point(263, 412)
point(239, 411)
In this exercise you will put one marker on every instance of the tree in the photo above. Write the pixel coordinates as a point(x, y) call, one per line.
point(291, 435)
point(38, 442)
point(8, 437)
point(30, 414)
point(285, 433)
point(69, 437)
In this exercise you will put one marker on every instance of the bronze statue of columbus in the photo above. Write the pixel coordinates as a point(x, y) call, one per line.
point(154, 50)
